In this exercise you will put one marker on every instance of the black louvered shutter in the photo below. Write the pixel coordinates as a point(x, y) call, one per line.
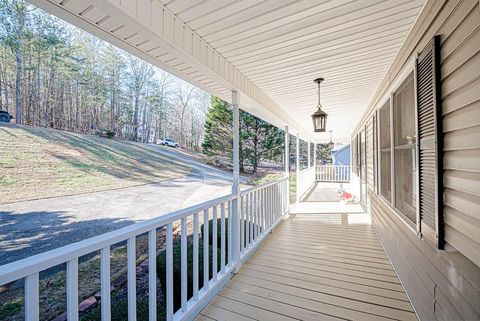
point(429, 148)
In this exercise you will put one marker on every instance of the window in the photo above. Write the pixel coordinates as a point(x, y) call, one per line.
point(410, 142)
point(375, 150)
point(385, 152)
point(405, 148)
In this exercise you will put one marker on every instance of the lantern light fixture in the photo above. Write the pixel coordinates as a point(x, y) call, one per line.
point(319, 117)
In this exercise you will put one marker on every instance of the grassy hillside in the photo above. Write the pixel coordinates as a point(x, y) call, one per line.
point(40, 162)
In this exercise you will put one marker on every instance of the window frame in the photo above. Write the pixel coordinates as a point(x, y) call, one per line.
point(380, 150)
point(394, 148)
point(389, 97)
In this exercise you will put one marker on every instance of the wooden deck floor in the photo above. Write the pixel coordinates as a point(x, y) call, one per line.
point(315, 267)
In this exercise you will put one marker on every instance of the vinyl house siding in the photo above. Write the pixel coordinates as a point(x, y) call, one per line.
point(442, 285)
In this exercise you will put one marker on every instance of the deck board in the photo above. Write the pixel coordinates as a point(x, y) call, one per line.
point(315, 267)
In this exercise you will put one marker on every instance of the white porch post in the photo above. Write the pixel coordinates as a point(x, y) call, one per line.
point(297, 169)
point(287, 164)
point(308, 156)
point(236, 182)
point(315, 159)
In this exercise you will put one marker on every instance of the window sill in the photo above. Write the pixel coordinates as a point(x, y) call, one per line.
point(406, 221)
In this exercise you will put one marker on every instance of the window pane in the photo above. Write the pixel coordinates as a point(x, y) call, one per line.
point(405, 182)
point(385, 157)
point(405, 149)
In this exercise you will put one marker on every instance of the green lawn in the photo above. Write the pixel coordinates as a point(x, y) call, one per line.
point(41, 162)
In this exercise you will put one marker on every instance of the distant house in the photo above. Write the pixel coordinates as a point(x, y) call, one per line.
point(341, 156)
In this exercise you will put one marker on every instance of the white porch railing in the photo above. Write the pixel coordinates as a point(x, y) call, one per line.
point(261, 208)
point(306, 178)
point(333, 173)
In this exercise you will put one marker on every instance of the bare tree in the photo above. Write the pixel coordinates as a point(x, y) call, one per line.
point(140, 71)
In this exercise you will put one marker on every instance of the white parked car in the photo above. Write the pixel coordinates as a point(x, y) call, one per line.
point(168, 142)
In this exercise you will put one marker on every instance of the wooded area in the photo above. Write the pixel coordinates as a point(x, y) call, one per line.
point(55, 75)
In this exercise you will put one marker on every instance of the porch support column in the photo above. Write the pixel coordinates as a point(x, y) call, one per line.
point(287, 164)
point(308, 155)
point(236, 182)
point(315, 159)
point(297, 170)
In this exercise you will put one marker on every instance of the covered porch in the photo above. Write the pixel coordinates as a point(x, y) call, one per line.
point(255, 254)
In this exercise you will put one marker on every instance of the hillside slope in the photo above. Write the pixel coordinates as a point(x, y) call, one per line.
point(42, 162)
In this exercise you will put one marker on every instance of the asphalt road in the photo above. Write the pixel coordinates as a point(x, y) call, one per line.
point(32, 227)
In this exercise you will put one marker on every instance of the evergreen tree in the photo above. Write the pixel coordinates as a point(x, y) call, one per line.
point(218, 128)
point(262, 141)
point(259, 140)
point(324, 153)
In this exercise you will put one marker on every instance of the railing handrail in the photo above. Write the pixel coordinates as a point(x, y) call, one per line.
point(40, 262)
point(260, 209)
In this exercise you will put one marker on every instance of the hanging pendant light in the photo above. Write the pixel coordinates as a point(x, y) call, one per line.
point(319, 117)
point(331, 144)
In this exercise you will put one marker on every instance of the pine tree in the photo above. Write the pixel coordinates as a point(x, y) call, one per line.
point(259, 140)
point(218, 128)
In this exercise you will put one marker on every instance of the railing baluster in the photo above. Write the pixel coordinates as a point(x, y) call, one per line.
point(251, 217)
point(131, 277)
point(72, 290)
point(152, 274)
point(222, 238)
point(169, 276)
point(206, 259)
point(195, 256)
point(230, 234)
point(257, 213)
point(247, 222)
point(242, 224)
point(184, 264)
point(105, 283)
point(270, 201)
point(275, 200)
point(265, 206)
point(260, 209)
point(262, 206)
point(254, 218)
point(269, 205)
point(280, 195)
point(32, 297)
point(274, 214)
point(214, 244)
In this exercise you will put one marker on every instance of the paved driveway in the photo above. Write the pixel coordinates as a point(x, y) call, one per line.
point(31, 227)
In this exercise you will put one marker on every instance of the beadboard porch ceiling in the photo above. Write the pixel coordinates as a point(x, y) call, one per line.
point(270, 51)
